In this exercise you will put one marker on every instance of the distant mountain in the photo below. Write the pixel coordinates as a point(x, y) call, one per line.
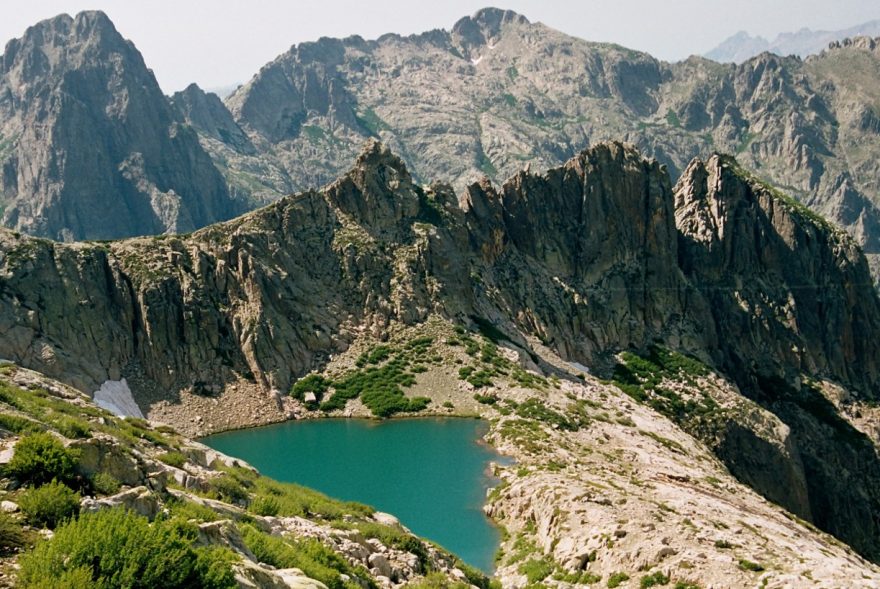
point(742, 46)
point(498, 93)
point(90, 148)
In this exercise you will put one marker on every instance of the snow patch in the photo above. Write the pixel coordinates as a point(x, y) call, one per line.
point(477, 60)
point(579, 366)
point(116, 397)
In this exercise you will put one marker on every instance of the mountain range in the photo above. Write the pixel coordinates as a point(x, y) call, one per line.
point(679, 347)
point(742, 46)
point(569, 267)
point(493, 95)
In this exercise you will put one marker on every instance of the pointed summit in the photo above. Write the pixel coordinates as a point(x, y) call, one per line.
point(484, 27)
point(118, 161)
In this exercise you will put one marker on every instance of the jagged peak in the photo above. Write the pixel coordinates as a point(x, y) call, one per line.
point(492, 17)
point(193, 88)
point(485, 26)
point(376, 154)
point(702, 178)
point(91, 27)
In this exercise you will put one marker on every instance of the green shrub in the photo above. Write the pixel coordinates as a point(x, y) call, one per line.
point(578, 578)
point(266, 506)
point(49, 505)
point(187, 510)
point(437, 581)
point(73, 428)
point(309, 555)
point(536, 569)
point(313, 383)
point(378, 387)
point(18, 425)
point(40, 458)
point(481, 378)
point(173, 458)
point(294, 500)
point(117, 548)
point(535, 409)
point(748, 565)
point(227, 488)
point(653, 580)
point(105, 484)
point(616, 579)
point(12, 537)
point(213, 567)
point(396, 538)
point(485, 399)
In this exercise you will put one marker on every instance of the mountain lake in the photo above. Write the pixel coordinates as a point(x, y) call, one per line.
point(431, 473)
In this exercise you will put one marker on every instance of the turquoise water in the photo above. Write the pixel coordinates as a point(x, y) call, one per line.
point(430, 473)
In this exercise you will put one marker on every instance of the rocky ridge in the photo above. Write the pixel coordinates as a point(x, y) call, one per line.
point(498, 93)
point(90, 148)
point(573, 265)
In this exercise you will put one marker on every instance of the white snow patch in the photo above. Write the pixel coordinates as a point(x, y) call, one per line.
point(477, 60)
point(579, 366)
point(116, 397)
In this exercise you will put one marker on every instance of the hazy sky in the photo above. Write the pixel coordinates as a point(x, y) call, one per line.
point(222, 42)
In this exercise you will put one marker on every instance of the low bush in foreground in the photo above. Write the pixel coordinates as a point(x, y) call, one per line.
point(49, 505)
point(116, 548)
point(309, 555)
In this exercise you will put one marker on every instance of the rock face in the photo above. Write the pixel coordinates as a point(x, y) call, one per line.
point(206, 112)
point(597, 256)
point(90, 147)
point(497, 93)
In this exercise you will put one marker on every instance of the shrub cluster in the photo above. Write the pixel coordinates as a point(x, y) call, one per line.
point(382, 374)
point(40, 458)
point(117, 548)
point(49, 504)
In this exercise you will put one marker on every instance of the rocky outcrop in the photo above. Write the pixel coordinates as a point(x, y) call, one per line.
point(90, 147)
point(778, 278)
